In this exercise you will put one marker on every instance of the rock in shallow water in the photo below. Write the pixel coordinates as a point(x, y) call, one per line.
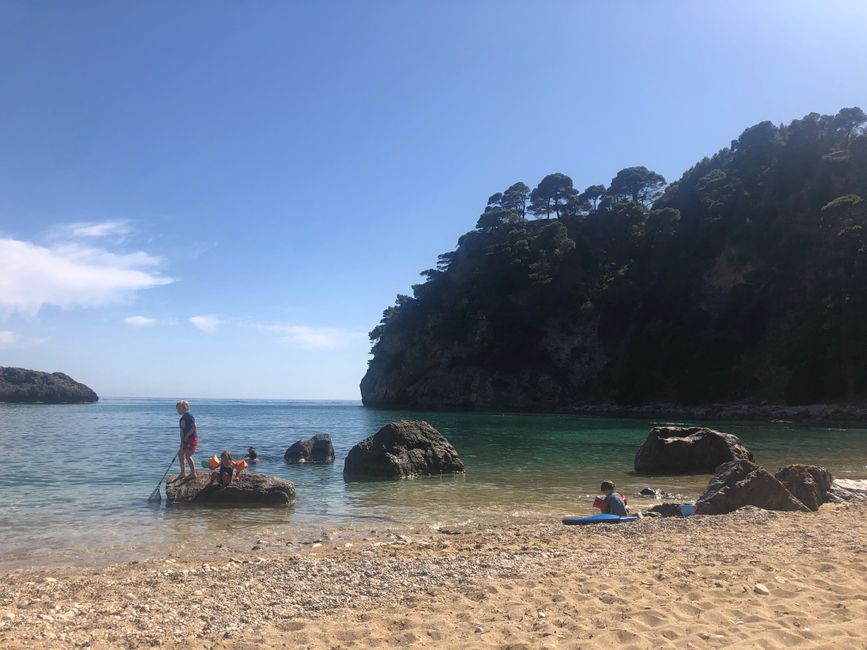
point(687, 450)
point(317, 449)
point(403, 449)
point(247, 490)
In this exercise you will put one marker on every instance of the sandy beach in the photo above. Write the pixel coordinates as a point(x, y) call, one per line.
point(749, 579)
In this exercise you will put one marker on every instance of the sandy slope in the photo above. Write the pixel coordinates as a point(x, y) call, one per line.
point(655, 583)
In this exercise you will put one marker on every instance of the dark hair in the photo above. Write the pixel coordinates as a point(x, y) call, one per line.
point(607, 485)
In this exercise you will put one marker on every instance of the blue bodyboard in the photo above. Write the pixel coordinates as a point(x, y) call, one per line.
point(597, 519)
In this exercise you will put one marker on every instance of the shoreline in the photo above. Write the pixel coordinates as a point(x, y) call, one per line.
point(650, 583)
point(848, 415)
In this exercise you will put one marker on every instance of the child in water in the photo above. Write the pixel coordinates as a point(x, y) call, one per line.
point(252, 456)
point(613, 502)
point(225, 470)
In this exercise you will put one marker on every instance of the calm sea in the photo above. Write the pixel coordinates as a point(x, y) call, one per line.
point(74, 479)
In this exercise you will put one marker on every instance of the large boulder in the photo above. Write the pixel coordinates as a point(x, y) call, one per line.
point(21, 386)
point(742, 483)
point(317, 449)
point(687, 450)
point(248, 489)
point(810, 484)
point(402, 449)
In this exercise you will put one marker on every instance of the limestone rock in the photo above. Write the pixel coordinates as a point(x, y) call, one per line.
point(743, 483)
point(248, 489)
point(402, 449)
point(317, 449)
point(810, 484)
point(22, 386)
point(687, 450)
point(848, 489)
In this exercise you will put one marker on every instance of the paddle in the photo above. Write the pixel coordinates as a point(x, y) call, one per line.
point(155, 495)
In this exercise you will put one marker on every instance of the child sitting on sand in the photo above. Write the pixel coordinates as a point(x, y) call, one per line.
point(613, 503)
point(223, 475)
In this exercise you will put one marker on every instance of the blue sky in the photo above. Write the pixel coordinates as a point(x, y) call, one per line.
point(218, 199)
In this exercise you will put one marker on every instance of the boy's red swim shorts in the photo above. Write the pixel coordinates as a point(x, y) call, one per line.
point(190, 445)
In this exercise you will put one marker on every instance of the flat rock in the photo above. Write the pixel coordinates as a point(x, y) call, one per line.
point(248, 489)
point(403, 449)
point(687, 450)
point(317, 449)
point(742, 483)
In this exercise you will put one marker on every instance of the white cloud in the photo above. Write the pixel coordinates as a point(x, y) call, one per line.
point(70, 275)
point(94, 229)
point(139, 321)
point(10, 340)
point(207, 323)
point(317, 338)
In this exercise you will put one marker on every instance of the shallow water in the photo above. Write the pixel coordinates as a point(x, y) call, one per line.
point(74, 479)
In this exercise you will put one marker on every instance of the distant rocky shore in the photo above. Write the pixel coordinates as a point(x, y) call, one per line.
point(808, 414)
point(22, 386)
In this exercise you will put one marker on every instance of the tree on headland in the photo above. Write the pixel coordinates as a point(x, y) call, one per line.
point(848, 121)
point(515, 198)
point(592, 194)
point(551, 195)
point(637, 184)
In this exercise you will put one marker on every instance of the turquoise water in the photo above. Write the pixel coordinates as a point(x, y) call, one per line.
point(74, 479)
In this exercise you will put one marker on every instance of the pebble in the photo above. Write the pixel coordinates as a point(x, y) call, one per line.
point(9, 616)
point(761, 589)
point(49, 580)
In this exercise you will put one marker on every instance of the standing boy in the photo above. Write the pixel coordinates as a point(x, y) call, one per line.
point(189, 439)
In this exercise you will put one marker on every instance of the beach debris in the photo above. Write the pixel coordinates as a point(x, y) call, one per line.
point(761, 589)
point(667, 510)
point(687, 450)
point(402, 449)
point(315, 450)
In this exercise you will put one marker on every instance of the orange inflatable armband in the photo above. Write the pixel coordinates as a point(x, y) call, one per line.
point(214, 462)
point(240, 466)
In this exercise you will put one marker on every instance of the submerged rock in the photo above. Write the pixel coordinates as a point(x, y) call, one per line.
point(248, 489)
point(810, 484)
point(743, 483)
point(403, 449)
point(687, 450)
point(22, 386)
point(317, 449)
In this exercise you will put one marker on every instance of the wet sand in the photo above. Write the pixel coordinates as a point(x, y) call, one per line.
point(653, 583)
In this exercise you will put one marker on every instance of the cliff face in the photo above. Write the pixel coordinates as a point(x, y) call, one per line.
point(21, 386)
point(745, 281)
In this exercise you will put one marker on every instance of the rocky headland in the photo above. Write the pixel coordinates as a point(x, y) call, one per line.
point(736, 291)
point(22, 386)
